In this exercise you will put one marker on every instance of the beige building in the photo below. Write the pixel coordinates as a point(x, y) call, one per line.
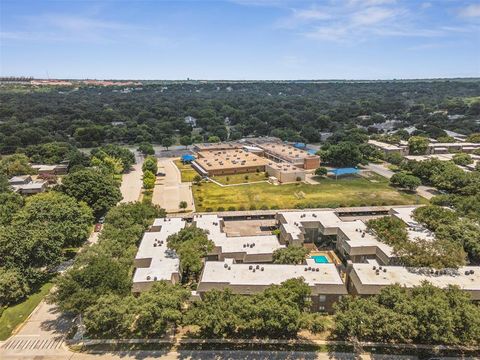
point(285, 172)
point(280, 152)
point(323, 279)
point(389, 148)
point(228, 162)
point(445, 148)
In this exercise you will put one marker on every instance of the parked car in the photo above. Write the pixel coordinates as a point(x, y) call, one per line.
point(160, 174)
point(101, 220)
point(98, 227)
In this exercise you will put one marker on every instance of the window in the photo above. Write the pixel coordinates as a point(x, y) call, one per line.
point(321, 308)
point(322, 298)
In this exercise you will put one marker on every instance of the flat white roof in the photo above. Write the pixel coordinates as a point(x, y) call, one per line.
point(383, 145)
point(164, 262)
point(410, 277)
point(262, 244)
point(241, 274)
point(354, 230)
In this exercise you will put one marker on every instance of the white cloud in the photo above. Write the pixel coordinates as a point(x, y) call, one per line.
point(470, 11)
point(372, 15)
point(311, 14)
point(362, 20)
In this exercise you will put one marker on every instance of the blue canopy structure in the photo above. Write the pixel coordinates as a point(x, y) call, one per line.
point(344, 171)
point(187, 158)
point(300, 145)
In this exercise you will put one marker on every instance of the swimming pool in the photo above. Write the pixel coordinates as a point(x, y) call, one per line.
point(320, 259)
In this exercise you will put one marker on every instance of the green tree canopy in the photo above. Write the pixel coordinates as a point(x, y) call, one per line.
point(192, 245)
point(290, 255)
point(97, 190)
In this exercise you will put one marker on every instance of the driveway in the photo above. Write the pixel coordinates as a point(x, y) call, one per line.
point(131, 187)
point(169, 189)
point(380, 170)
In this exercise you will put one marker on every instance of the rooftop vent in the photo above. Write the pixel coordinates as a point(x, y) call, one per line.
point(225, 266)
point(261, 269)
point(250, 267)
point(148, 277)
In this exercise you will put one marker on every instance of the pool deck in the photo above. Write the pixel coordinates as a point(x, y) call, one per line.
point(329, 254)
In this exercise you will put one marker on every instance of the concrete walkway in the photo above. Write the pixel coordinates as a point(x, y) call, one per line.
point(169, 189)
point(131, 187)
point(426, 192)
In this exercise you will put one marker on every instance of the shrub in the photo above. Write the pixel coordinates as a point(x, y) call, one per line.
point(231, 208)
point(241, 208)
point(253, 207)
point(264, 207)
point(208, 209)
point(220, 208)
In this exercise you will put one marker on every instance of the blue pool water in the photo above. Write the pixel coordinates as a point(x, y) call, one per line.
point(320, 259)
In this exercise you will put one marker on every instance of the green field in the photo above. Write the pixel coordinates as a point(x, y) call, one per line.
point(186, 170)
point(240, 178)
point(16, 314)
point(352, 191)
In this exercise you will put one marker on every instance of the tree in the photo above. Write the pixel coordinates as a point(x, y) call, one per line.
point(167, 142)
point(186, 141)
point(17, 164)
point(13, 286)
point(68, 219)
point(97, 190)
point(417, 145)
point(149, 179)
point(344, 154)
point(146, 148)
point(462, 159)
point(10, 203)
point(321, 171)
point(290, 255)
point(213, 139)
point(370, 152)
point(183, 205)
point(197, 179)
point(108, 164)
point(126, 156)
point(192, 245)
point(424, 314)
point(474, 138)
point(146, 316)
point(406, 181)
point(277, 312)
point(394, 158)
point(150, 164)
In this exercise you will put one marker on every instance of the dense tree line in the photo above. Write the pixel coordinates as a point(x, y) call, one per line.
point(91, 116)
point(421, 315)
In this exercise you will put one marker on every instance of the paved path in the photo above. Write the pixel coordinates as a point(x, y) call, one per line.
point(170, 190)
point(380, 170)
point(426, 192)
point(131, 187)
point(61, 353)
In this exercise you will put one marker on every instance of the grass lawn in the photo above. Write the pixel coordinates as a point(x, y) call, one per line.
point(352, 191)
point(188, 173)
point(16, 314)
point(240, 178)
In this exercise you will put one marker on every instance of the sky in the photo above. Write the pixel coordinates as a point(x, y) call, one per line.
point(240, 39)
